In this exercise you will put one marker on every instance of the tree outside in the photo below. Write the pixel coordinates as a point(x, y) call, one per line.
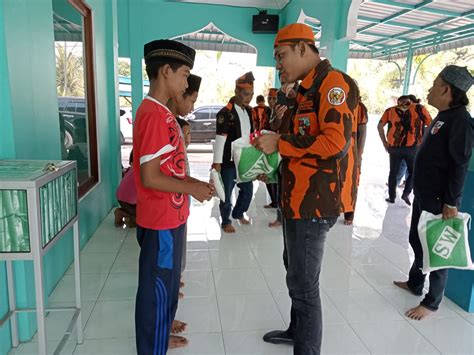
point(380, 82)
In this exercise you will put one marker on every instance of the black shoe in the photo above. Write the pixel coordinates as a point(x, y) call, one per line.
point(278, 337)
point(390, 200)
point(406, 199)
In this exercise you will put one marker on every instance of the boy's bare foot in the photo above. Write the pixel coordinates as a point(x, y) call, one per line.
point(178, 327)
point(244, 221)
point(418, 313)
point(180, 295)
point(228, 228)
point(177, 341)
point(348, 222)
point(181, 284)
point(274, 224)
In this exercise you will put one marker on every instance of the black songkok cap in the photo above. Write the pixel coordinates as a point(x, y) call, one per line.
point(458, 77)
point(168, 51)
point(194, 83)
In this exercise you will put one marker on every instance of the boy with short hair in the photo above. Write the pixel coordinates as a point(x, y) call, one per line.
point(162, 186)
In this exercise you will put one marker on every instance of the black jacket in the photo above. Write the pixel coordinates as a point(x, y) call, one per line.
point(228, 123)
point(443, 157)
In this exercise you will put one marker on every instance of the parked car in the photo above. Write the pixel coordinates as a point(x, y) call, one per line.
point(126, 124)
point(203, 123)
point(72, 110)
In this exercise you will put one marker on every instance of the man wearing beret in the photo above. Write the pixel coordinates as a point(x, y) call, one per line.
point(442, 159)
point(233, 121)
point(162, 189)
point(320, 136)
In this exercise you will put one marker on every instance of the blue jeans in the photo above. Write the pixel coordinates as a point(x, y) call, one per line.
point(243, 200)
point(397, 155)
point(303, 255)
point(403, 172)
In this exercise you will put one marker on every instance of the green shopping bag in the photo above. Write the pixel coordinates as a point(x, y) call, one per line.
point(251, 162)
point(445, 242)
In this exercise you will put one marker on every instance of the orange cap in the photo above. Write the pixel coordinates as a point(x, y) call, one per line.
point(293, 34)
point(245, 81)
point(272, 92)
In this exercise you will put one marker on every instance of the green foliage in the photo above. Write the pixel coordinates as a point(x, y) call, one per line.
point(69, 69)
point(379, 79)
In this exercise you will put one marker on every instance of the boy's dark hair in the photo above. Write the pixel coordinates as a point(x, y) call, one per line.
point(403, 97)
point(260, 98)
point(459, 97)
point(153, 68)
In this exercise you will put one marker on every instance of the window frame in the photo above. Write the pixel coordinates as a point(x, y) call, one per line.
point(89, 76)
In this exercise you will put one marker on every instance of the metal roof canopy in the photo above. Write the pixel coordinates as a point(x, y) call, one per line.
point(385, 28)
point(390, 28)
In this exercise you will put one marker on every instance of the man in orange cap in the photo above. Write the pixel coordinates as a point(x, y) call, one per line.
point(320, 136)
point(233, 121)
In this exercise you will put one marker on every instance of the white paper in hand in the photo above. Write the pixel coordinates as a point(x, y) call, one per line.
point(218, 184)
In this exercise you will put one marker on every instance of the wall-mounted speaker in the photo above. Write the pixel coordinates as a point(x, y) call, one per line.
point(263, 23)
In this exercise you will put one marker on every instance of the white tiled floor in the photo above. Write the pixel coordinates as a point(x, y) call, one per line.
point(235, 285)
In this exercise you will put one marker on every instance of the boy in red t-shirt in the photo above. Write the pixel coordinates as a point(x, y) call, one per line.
point(162, 189)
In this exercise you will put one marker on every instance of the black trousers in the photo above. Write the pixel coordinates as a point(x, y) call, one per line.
point(303, 255)
point(416, 279)
point(397, 155)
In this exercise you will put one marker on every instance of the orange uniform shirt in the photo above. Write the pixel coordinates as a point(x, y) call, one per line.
point(322, 129)
point(350, 165)
point(261, 117)
point(405, 127)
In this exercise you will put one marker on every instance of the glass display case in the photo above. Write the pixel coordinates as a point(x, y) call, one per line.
point(38, 205)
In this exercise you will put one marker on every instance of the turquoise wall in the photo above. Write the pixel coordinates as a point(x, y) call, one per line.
point(141, 21)
point(460, 287)
point(27, 39)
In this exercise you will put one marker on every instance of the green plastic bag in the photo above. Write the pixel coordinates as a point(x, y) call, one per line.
point(251, 162)
point(445, 243)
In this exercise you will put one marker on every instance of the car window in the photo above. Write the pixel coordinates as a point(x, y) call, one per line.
point(215, 110)
point(81, 107)
point(202, 114)
point(71, 106)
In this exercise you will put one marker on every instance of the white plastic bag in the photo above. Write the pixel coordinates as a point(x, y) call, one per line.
point(445, 243)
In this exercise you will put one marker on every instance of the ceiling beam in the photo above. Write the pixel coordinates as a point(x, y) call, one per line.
point(397, 14)
point(414, 7)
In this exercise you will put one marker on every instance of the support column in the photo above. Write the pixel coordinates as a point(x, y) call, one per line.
point(460, 287)
point(409, 64)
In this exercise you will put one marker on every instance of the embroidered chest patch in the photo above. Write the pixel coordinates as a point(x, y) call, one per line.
point(437, 127)
point(303, 125)
point(336, 96)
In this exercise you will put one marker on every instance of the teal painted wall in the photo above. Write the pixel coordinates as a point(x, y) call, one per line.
point(27, 38)
point(332, 14)
point(460, 287)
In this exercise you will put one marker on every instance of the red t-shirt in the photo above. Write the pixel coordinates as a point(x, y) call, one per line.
point(157, 134)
